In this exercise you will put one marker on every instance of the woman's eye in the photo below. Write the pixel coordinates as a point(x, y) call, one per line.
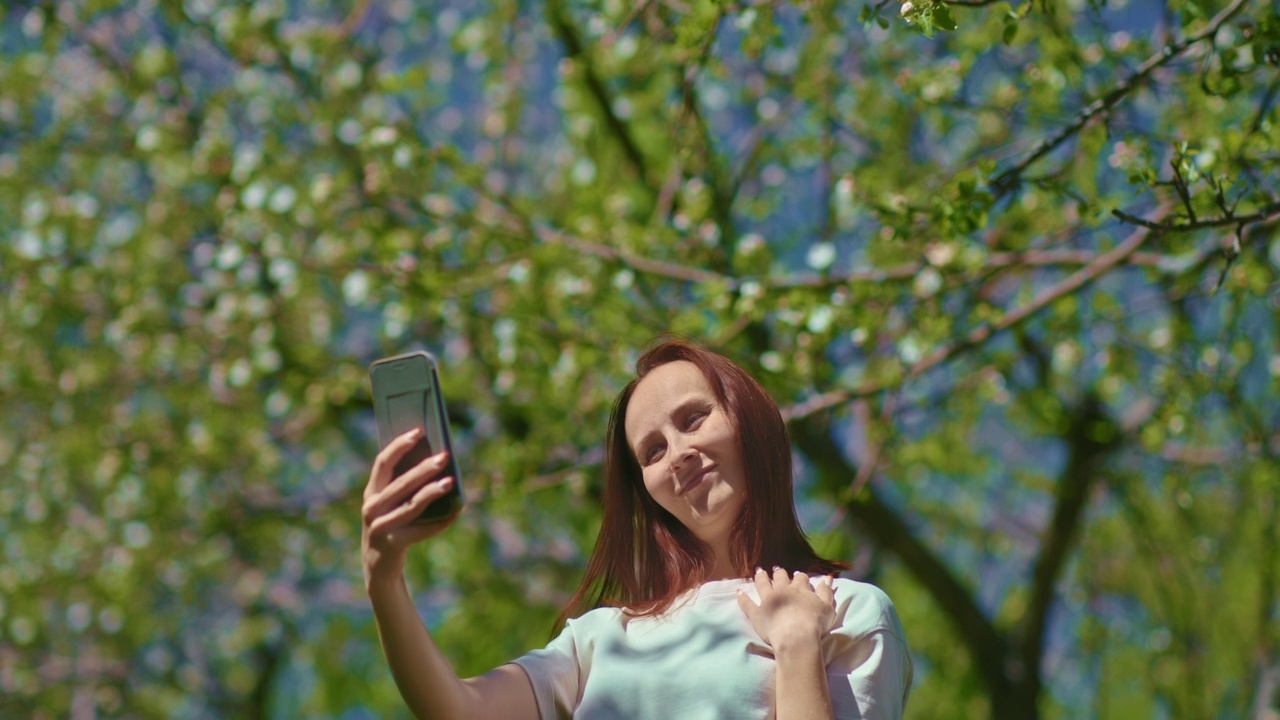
point(694, 420)
point(651, 454)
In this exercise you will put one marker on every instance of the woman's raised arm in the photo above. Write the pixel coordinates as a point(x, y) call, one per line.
point(423, 675)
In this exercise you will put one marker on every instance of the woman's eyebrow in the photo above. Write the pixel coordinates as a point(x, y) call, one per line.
point(691, 403)
point(642, 442)
point(684, 406)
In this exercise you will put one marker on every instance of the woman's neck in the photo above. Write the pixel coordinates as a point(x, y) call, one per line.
point(722, 568)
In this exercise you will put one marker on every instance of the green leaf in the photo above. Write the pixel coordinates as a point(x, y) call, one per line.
point(942, 17)
point(1010, 32)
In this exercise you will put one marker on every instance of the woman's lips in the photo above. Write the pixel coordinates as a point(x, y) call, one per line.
point(696, 480)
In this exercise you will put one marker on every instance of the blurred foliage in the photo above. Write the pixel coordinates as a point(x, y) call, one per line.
point(1010, 268)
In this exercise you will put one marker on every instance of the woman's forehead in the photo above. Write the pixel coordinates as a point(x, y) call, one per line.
point(664, 388)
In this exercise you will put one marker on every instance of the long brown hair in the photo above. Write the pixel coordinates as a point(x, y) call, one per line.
point(644, 557)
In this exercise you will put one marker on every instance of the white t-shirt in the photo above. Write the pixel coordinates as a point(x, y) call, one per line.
point(703, 660)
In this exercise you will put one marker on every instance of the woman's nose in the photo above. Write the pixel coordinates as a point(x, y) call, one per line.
point(681, 456)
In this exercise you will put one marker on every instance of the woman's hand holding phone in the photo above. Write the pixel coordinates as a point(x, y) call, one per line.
point(392, 503)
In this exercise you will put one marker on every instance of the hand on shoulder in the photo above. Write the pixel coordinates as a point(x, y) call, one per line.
point(791, 608)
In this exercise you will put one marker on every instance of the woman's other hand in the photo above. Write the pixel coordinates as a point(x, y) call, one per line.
point(791, 610)
point(392, 504)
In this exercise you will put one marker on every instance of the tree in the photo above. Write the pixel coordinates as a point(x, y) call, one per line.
point(1011, 271)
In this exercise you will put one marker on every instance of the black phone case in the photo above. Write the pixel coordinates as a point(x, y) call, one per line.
point(406, 395)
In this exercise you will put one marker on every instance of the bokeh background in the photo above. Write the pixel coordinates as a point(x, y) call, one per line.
point(1010, 269)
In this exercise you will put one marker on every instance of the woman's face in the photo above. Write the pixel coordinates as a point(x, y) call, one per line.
point(688, 450)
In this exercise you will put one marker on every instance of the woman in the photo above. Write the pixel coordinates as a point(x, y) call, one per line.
point(677, 615)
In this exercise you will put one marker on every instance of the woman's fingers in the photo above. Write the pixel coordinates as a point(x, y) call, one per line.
point(826, 589)
point(414, 478)
point(405, 514)
point(792, 605)
point(779, 576)
point(762, 579)
point(412, 481)
point(800, 580)
point(385, 462)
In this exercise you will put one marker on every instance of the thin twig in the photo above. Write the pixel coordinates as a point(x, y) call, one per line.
point(1268, 212)
point(354, 18)
point(1180, 186)
point(979, 335)
point(512, 220)
point(639, 263)
point(1006, 180)
point(908, 271)
point(612, 36)
point(576, 51)
point(875, 446)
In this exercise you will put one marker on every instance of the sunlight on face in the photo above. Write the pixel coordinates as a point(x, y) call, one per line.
point(688, 450)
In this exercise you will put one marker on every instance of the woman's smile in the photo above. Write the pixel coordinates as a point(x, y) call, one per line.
point(694, 480)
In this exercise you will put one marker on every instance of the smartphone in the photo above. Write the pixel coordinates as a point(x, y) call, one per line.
point(406, 395)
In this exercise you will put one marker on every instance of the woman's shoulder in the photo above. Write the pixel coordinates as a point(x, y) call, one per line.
point(593, 619)
point(864, 608)
point(862, 590)
point(602, 613)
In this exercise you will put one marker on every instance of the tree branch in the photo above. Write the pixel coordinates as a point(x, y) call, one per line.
point(520, 223)
point(1264, 649)
point(354, 18)
point(1000, 260)
point(1265, 105)
point(574, 50)
point(722, 190)
point(258, 704)
point(1085, 455)
point(1007, 180)
point(979, 335)
point(612, 36)
point(646, 265)
point(888, 530)
point(1267, 213)
point(875, 446)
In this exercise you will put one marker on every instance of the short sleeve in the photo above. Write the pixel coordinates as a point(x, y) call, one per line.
point(559, 671)
point(868, 665)
point(553, 672)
